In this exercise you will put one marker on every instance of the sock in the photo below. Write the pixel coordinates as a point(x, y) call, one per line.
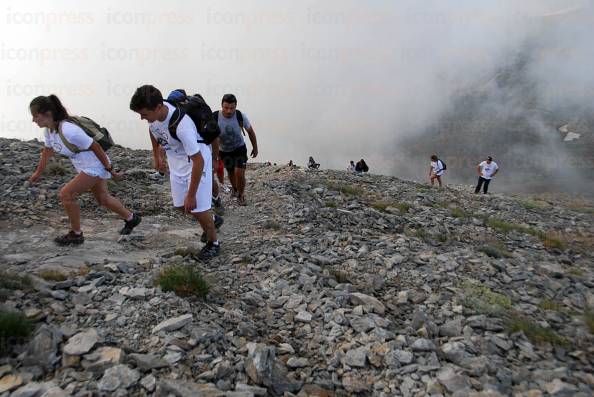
point(161, 173)
point(215, 197)
point(130, 217)
point(77, 232)
point(216, 242)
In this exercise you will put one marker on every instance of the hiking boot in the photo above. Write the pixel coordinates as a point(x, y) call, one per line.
point(210, 250)
point(131, 224)
point(218, 222)
point(218, 206)
point(70, 239)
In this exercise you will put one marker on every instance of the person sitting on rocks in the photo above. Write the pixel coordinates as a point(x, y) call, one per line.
point(188, 157)
point(312, 165)
point(91, 163)
point(351, 167)
point(436, 169)
point(361, 166)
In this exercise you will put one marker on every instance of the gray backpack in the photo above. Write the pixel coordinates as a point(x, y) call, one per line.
point(92, 129)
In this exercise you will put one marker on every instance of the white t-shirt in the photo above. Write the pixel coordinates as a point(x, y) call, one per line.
point(487, 170)
point(179, 153)
point(75, 135)
point(437, 167)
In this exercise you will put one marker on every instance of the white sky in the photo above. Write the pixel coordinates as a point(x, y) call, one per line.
point(337, 79)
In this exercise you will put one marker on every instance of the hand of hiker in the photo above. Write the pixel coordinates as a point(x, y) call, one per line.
point(117, 176)
point(189, 203)
point(254, 152)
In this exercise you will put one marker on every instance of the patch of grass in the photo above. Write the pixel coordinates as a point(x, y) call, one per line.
point(418, 233)
point(534, 332)
point(549, 304)
point(442, 237)
point(495, 251)
point(533, 204)
point(574, 271)
point(83, 271)
point(55, 169)
point(589, 319)
point(484, 300)
point(340, 276)
point(184, 281)
point(330, 204)
point(458, 213)
point(52, 275)
point(549, 239)
point(382, 205)
point(14, 328)
point(270, 224)
point(351, 190)
point(13, 281)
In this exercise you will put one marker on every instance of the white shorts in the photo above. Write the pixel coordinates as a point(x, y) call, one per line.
point(96, 172)
point(179, 188)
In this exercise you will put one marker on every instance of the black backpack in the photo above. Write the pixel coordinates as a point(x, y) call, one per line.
point(237, 114)
point(196, 108)
point(445, 167)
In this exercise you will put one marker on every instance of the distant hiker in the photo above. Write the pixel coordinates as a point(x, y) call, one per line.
point(436, 169)
point(361, 166)
point(291, 164)
point(351, 167)
point(232, 148)
point(486, 170)
point(63, 135)
point(188, 155)
point(312, 165)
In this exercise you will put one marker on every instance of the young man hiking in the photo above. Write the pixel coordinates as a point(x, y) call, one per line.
point(233, 150)
point(486, 171)
point(189, 159)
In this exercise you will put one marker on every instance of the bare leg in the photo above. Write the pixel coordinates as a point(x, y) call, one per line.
point(207, 223)
point(240, 180)
point(80, 183)
point(106, 200)
point(215, 186)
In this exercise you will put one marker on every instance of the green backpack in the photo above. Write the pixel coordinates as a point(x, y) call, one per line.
point(92, 129)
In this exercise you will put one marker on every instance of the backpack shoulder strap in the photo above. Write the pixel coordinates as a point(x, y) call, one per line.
point(176, 117)
point(215, 116)
point(239, 120)
point(72, 147)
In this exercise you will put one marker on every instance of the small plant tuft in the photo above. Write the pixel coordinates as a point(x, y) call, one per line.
point(534, 332)
point(184, 281)
point(495, 252)
point(55, 169)
point(13, 281)
point(589, 319)
point(270, 224)
point(340, 276)
point(330, 204)
point(14, 328)
point(458, 213)
point(52, 275)
point(549, 304)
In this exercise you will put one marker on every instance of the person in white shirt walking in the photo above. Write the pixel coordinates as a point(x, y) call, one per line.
point(189, 160)
point(486, 170)
point(89, 160)
point(436, 169)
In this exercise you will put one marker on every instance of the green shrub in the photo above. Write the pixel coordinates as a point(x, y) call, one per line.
point(55, 169)
point(485, 301)
point(330, 204)
point(13, 327)
point(270, 224)
point(495, 252)
point(52, 275)
point(534, 332)
point(13, 281)
point(184, 281)
point(458, 213)
point(589, 319)
point(549, 304)
point(340, 276)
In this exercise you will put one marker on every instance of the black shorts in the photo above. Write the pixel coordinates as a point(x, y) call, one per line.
point(235, 159)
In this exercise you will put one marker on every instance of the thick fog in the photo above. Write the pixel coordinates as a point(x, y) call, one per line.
point(338, 80)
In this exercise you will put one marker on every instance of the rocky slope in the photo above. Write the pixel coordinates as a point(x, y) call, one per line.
point(329, 284)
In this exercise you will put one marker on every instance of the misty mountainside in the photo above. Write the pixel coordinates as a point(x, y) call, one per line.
point(541, 142)
point(328, 284)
